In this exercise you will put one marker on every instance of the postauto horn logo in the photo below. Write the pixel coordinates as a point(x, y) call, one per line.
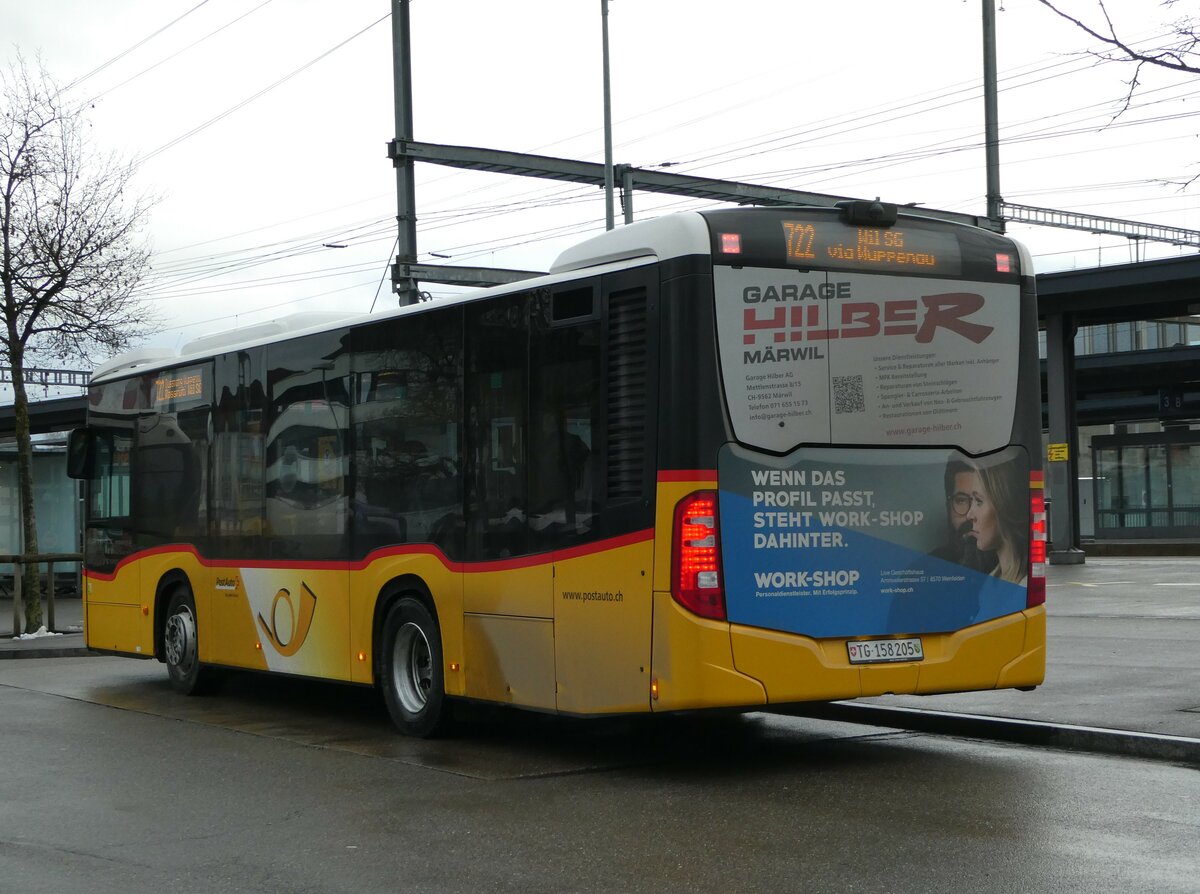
point(290, 623)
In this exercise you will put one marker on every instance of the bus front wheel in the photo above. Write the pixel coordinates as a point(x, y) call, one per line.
point(181, 646)
point(411, 670)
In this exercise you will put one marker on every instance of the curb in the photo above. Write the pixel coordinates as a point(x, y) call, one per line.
point(62, 646)
point(1124, 743)
point(47, 653)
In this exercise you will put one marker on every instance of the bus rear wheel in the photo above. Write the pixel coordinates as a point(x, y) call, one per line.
point(181, 647)
point(411, 673)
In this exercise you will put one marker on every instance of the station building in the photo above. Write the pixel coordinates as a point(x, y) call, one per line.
point(1135, 395)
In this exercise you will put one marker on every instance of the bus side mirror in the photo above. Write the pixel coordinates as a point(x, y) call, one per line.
point(79, 454)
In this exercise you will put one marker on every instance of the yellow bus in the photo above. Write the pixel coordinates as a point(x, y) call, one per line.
point(723, 459)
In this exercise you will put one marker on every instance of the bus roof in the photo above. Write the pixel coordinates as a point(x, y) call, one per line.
point(629, 246)
point(672, 236)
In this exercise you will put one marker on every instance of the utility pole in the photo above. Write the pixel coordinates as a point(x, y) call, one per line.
point(991, 115)
point(406, 199)
point(609, 222)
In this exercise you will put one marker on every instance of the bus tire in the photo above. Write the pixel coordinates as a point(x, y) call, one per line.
point(181, 646)
point(411, 673)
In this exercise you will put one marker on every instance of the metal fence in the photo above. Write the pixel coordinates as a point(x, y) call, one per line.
point(49, 560)
point(1173, 521)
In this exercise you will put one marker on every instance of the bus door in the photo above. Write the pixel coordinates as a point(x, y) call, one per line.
point(508, 626)
point(593, 406)
point(299, 597)
point(170, 484)
point(113, 585)
point(557, 592)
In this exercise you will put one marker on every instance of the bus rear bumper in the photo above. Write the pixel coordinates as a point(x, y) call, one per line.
point(699, 663)
point(1007, 652)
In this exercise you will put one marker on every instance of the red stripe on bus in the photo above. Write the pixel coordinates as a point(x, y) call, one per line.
point(561, 555)
point(174, 548)
point(415, 549)
point(576, 552)
point(687, 475)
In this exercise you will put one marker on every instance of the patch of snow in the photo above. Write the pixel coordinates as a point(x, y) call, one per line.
point(41, 631)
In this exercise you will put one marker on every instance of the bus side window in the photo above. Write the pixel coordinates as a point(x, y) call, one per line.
point(307, 449)
point(171, 466)
point(566, 409)
point(497, 339)
point(170, 461)
point(238, 436)
point(407, 433)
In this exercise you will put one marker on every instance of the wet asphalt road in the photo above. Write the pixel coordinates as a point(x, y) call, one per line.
point(113, 784)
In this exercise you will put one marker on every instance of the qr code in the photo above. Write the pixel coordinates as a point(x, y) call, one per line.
point(848, 394)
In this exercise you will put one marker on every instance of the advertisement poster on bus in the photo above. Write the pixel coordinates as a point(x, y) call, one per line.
point(832, 542)
point(841, 357)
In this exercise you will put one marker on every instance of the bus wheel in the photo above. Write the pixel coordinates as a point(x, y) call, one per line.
point(181, 647)
point(411, 671)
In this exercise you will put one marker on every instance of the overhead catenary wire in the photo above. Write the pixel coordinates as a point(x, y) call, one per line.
point(172, 56)
point(263, 92)
point(121, 55)
point(444, 218)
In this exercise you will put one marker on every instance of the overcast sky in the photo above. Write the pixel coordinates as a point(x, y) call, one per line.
point(263, 125)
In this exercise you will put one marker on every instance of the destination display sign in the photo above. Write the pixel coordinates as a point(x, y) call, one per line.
point(821, 243)
point(178, 388)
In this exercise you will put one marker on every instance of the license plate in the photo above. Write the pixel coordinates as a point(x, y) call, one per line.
point(877, 651)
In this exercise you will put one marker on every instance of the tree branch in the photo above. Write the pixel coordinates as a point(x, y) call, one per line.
point(1175, 57)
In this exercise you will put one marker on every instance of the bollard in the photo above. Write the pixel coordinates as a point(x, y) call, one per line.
point(18, 573)
point(50, 597)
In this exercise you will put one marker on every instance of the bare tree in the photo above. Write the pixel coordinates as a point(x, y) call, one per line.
point(72, 259)
point(1180, 50)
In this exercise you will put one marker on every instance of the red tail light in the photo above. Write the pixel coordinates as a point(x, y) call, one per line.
point(1037, 541)
point(696, 556)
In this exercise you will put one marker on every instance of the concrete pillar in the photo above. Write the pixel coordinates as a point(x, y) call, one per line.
point(1062, 468)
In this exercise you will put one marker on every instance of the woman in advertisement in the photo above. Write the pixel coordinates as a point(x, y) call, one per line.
point(988, 506)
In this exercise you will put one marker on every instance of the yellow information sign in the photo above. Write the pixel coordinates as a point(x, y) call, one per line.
point(1057, 453)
